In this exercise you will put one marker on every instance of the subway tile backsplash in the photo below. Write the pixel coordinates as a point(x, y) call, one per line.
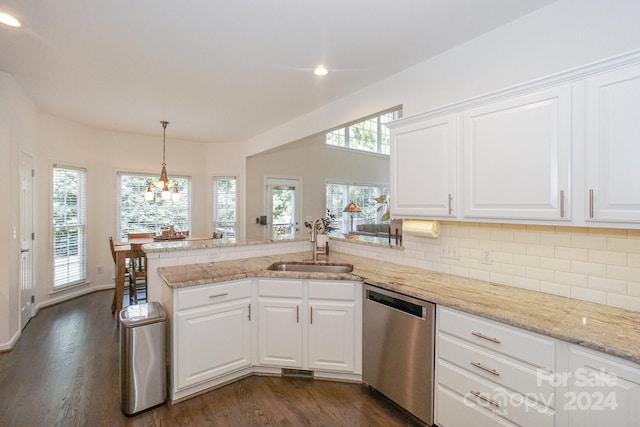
point(592, 264)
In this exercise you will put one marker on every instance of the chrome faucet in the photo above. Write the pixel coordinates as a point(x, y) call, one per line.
point(314, 239)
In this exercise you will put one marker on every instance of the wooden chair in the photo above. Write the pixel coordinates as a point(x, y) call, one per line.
point(126, 273)
point(137, 272)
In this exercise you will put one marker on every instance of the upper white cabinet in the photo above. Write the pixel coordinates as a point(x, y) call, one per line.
point(517, 157)
point(613, 146)
point(423, 167)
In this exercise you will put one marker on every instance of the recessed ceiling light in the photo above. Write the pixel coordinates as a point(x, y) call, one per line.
point(9, 20)
point(320, 70)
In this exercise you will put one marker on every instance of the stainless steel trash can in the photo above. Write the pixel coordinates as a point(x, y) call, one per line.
point(143, 348)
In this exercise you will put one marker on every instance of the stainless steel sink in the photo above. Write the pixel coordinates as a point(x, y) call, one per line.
point(311, 267)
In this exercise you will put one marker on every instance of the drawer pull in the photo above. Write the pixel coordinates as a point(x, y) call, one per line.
point(484, 368)
point(486, 399)
point(224, 294)
point(481, 335)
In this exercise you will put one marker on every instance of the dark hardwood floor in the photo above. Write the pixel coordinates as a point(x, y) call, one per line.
point(64, 372)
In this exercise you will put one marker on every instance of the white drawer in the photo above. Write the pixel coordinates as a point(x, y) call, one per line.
point(288, 288)
point(476, 391)
point(513, 342)
point(197, 296)
point(495, 368)
point(332, 290)
point(451, 411)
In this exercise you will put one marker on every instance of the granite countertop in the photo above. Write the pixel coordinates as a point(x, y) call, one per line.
point(608, 329)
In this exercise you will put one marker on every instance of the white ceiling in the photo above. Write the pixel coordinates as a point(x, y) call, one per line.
point(224, 70)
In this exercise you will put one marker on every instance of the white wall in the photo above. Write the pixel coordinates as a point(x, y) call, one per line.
point(17, 133)
point(104, 154)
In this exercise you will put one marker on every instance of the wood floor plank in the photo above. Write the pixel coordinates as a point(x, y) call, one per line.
point(64, 372)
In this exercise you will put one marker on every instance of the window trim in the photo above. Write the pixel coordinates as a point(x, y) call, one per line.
point(346, 126)
point(214, 199)
point(82, 217)
point(149, 175)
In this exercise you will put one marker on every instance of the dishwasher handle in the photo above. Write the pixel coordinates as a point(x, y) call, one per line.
point(397, 303)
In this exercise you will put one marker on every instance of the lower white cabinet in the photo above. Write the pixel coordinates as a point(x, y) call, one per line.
point(280, 324)
point(212, 335)
point(490, 374)
point(601, 390)
point(223, 331)
point(309, 324)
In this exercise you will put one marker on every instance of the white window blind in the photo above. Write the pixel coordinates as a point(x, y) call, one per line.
point(225, 218)
point(136, 215)
point(69, 226)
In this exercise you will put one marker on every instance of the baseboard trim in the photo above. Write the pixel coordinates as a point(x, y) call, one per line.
point(8, 346)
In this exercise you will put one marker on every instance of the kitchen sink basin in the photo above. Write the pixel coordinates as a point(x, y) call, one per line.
point(311, 267)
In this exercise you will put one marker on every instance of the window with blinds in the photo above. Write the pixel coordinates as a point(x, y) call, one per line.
point(340, 194)
point(136, 215)
point(225, 206)
point(69, 226)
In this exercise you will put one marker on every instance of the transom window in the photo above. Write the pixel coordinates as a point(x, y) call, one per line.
point(69, 226)
point(225, 206)
point(339, 195)
point(368, 134)
point(136, 215)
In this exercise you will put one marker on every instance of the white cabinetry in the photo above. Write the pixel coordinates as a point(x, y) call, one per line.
point(423, 167)
point(491, 374)
point(309, 324)
point(280, 322)
point(212, 331)
point(612, 146)
point(517, 157)
point(333, 331)
point(602, 390)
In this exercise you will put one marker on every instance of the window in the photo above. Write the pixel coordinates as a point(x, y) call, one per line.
point(225, 206)
point(339, 195)
point(69, 226)
point(136, 215)
point(369, 134)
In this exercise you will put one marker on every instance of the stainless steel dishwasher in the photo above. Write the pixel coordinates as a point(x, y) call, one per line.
point(398, 349)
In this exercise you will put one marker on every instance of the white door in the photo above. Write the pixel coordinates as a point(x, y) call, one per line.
point(283, 207)
point(26, 238)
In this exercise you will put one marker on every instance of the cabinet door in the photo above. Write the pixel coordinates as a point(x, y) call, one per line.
point(423, 168)
point(517, 157)
point(212, 341)
point(280, 332)
point(602, 391)
point(613, 149)
point(332, 336)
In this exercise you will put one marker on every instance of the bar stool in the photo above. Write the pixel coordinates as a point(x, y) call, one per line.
point(126, 272)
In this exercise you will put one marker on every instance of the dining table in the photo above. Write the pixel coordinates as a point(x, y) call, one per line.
point(122, 249)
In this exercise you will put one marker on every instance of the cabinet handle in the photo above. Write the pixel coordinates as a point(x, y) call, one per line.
point(486, 399)
point(311, 315)
point(249, 313)
point(224, 294)
point(483, 336)
point(561, 203)
point(484, 368)
point(590, 203)
point(450, 208)
point(297, 314)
